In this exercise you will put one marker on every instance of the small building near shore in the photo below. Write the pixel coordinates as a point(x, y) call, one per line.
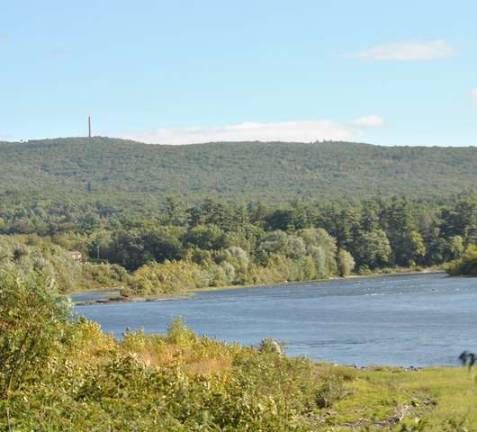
point(76, 256)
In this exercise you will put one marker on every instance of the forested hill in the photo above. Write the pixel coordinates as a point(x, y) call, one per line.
point(105, 168)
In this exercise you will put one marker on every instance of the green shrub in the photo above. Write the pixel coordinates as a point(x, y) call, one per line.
point(466, 265)
point(32, 322)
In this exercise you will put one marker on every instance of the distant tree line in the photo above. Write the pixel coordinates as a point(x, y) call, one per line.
point(218, 243)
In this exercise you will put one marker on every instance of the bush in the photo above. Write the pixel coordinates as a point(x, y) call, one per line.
point(466, 265)
point(168, 278)
point(32, 322)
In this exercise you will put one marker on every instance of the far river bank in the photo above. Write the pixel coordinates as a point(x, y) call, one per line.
point(114, 295)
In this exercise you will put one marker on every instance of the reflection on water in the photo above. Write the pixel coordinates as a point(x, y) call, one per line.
point(401, 320)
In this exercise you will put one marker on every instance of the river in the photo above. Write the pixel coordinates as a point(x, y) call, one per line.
point(405, 320)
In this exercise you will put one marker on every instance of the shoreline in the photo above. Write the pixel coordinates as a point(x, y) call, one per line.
point(190, 293)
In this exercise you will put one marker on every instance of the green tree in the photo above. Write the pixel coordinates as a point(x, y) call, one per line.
point(160, 246)
point(127, 249)
point(372, 249)
point(400, 225)
point(206, 237)
point(457, 246)
point(173, 213)
point(345, 262)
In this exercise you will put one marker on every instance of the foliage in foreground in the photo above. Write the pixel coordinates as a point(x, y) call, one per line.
point(32, 322)
point(70, 376)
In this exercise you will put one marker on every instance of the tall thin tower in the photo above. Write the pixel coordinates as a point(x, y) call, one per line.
point(89, 126)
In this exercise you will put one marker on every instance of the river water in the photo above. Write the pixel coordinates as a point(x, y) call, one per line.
point(407, 320)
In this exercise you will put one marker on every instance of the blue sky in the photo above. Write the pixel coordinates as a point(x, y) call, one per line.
point(391, 73)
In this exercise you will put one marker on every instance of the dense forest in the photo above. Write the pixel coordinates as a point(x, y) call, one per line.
point(139, 176)
point(215, 243)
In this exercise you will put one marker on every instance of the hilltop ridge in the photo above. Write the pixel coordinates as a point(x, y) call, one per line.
point(274, 172)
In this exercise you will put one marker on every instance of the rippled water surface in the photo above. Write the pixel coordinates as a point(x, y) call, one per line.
point(401, 320)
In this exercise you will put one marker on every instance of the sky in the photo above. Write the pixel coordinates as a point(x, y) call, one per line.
point(184, 71)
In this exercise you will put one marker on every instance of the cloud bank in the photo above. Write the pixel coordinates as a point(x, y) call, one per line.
point(292, 131)
point(407, 51)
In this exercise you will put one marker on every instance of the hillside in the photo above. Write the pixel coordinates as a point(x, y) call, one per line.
point(122, 171)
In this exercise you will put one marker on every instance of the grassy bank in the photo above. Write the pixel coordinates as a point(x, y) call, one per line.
point(435, 399)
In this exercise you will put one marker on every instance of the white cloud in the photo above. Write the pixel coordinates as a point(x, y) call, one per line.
point(369, 121)
point(292, 131)
point(407, 51)
point(473, 95)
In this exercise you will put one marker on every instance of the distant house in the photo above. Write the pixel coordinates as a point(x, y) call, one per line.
point(76, 256)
